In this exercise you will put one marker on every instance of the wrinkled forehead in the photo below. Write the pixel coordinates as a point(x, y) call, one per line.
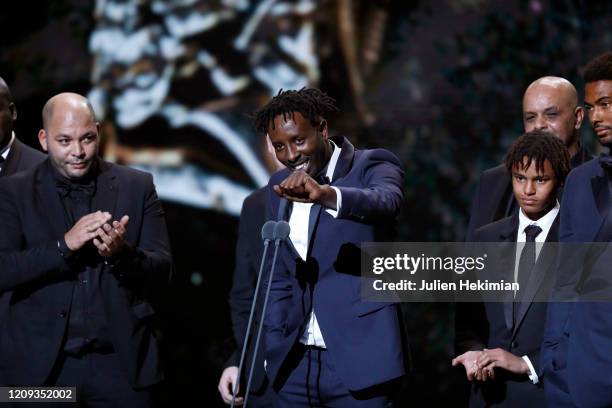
point(545, 96)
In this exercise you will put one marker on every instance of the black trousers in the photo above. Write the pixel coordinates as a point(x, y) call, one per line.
point(99, 381)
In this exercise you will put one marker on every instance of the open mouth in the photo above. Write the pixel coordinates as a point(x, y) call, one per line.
point(302, 166)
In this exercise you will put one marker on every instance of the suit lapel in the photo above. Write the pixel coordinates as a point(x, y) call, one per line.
point(49, 202)
point(546, 261)
point(107, 191)
point(12, 160)
point(508, 233)
point(601, 194)
point(345, 160)
point(282, 214)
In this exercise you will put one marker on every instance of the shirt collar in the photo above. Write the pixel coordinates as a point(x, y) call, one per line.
point(331, 166)
point(4, 153)
point(544, 222)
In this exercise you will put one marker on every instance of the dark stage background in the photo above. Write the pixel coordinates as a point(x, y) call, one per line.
point(437, 82)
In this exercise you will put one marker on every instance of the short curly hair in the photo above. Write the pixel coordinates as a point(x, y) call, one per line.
point(312, 103)
point(599, 69)
point(539, 146)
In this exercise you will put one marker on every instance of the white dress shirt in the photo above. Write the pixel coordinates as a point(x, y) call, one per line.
point(545, 222)
point(298, 221)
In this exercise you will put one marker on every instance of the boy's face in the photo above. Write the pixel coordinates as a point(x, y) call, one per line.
point(535, 191)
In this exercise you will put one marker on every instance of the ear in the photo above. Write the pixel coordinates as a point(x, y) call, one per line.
point(13, 110)
point(579, 113)
point(42, 139)
point(322, 128)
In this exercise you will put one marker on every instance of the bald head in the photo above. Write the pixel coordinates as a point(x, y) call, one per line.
point(5, 92)
point(551, 104)
point(566, 91)
point(66, 102)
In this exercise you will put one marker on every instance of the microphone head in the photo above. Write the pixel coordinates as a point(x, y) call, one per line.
point(281, 230)
point(267, 231)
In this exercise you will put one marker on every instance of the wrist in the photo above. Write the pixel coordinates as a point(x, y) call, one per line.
point(328, 198)
point(64, 249)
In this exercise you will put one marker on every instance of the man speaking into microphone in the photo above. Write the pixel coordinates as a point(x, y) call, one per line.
point(324, 346)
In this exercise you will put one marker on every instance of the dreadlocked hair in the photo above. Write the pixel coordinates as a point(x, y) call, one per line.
point(311, 103)
point(599, 69)
point(539, 146)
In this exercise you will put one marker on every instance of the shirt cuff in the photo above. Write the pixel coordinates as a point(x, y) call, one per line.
point(65, 252)
point(334, 213)
point(532, 373)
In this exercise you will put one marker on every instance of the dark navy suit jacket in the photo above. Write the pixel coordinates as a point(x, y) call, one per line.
point(494, 320)
point(39, 282)
point(578, 339)
point(362, 338)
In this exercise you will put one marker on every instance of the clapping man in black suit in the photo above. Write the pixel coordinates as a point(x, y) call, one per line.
point(83, 252)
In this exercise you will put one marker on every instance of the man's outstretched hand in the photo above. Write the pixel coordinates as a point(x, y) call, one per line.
point(302, 188)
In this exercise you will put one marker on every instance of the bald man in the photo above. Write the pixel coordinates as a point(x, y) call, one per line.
point(14, 155)
point(549, 104)
point(83, 252)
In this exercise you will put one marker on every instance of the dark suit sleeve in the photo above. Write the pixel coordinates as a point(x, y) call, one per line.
point(148, 264)
point(17, 266)
point(245, 273)
point(381, 196)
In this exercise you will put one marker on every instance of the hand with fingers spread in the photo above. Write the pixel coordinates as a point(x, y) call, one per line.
point(226, 385)
point(85, 229)
point(468, 360)
point(302, 188)
point(110, 238)
point(500, 358)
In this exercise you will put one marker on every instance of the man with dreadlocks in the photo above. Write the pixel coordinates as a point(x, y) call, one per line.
point(324, 345)
point(506, 354)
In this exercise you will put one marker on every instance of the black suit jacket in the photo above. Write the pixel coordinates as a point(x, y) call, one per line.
point(39, 282)
point(21, 157)
point(491, 324)
point(249, 251)
point(494, 198)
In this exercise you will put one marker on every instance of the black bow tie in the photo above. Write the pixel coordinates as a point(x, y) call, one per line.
point(65, 188)
point(605, 161)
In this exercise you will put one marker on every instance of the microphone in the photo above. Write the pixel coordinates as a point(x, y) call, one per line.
point(281, 232)
point(268, 233)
